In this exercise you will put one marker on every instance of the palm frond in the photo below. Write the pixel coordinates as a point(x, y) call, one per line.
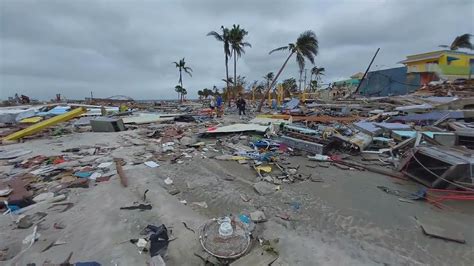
point(279, 49)
point(216, 35)
point(462, 41)
point(188, 70)
point(246, 44)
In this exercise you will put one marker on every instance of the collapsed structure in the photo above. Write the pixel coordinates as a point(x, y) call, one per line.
point(427, 137)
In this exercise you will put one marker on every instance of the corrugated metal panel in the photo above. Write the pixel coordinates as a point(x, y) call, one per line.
point(393, 81)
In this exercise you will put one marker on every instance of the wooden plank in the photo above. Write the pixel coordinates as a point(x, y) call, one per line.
point(46, 123)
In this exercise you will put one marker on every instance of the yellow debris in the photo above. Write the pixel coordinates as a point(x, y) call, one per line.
point(46, 123)
point(32, 120)
point(266, 169)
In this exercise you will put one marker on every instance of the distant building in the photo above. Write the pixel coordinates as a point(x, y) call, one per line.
point(445, 65)
point(392, 81)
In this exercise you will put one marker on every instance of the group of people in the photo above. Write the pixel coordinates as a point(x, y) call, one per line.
point(217, 105)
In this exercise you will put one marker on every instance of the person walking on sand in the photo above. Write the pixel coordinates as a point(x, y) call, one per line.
point(241, 106)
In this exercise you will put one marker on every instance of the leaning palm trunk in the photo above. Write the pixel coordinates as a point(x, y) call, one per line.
point(301, 77)
point(265, 95)
point(227, 77)
point(235, 75)
point(181, 83)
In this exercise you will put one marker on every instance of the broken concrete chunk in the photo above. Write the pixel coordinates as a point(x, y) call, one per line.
point(263, 188)
point(258, 216)
point(174, 191)
point(43, 197)
point(268, 178)
point(186, 141)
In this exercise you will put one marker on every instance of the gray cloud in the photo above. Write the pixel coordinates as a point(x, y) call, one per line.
point(126, 47)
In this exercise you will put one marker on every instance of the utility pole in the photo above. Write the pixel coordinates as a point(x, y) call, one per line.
point(367, 70)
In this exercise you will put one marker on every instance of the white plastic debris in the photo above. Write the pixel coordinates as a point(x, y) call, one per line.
point(141, 243)
point(5, 192)
point(104, 165)
point(319, 157)
point(31, 238)
point(168, 181)
point(95, 175)
point(201, 204)
point(186, 155)
point(151, 164)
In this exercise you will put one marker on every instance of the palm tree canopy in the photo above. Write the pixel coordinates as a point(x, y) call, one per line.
point(306, 46)
point(224, 37)
point(178, 88)
point(182, 65)
point(317, 70)
point(269, 76)
point(236, 38)
point(462, 41)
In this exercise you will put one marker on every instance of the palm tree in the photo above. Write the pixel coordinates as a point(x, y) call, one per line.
point(461, 41)
point(289, 85)
point(181, 65)
point(317, 72)
point(237, 44)
point(183, 94)
point(206, 93)
point(313, 85)
point(268, 78)
point(225, 39)
point(306, 46)
point(179, 90)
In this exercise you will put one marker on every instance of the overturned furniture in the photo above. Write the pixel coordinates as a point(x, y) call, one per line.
point(439, 166)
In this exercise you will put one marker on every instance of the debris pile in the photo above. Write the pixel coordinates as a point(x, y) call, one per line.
point(425, 139)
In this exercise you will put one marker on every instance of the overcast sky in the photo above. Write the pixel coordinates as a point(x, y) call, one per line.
point(126, 47)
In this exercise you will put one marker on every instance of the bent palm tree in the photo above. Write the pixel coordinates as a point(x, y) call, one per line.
point(237, 44)
point(181, 65)
point(225, 39)
point(461, 41)
point(306, 46)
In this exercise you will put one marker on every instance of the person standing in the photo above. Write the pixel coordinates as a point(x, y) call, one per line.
point(212, 105)
point(241, 106)
point(219, 105)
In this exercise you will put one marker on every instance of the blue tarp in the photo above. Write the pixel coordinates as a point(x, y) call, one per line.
point(292, 104)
